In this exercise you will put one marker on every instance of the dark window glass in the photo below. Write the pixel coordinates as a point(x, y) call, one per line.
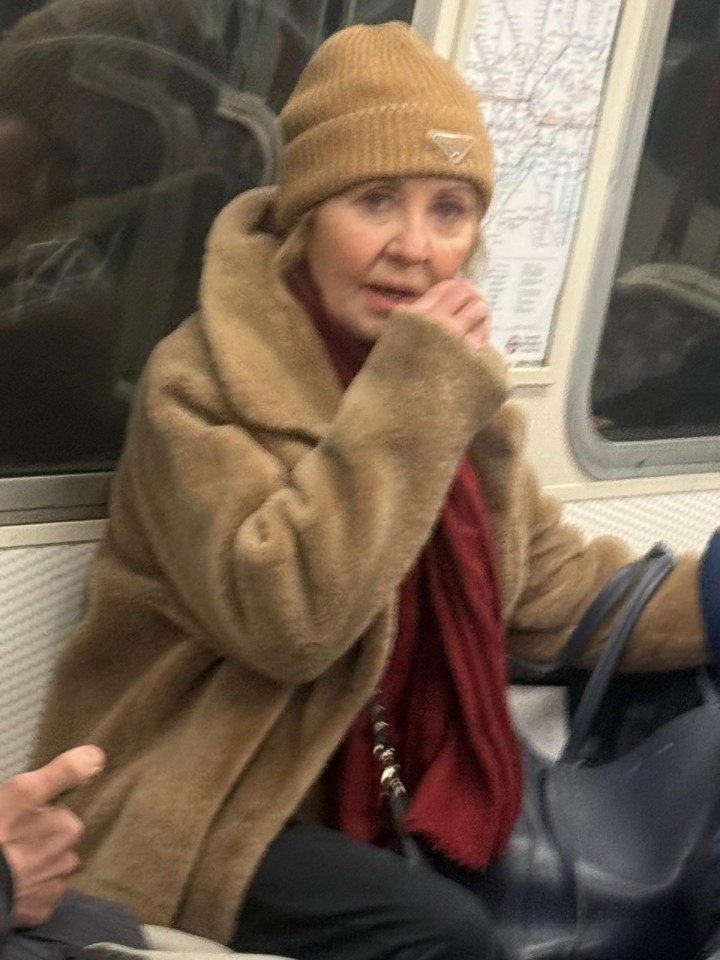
point(657, 373)
point(124, 126)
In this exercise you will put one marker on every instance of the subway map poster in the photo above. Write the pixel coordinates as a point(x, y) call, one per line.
point(538, 68)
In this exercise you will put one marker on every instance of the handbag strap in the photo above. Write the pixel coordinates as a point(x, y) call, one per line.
point(391, 783)
point(658, 563)
point(595, 615)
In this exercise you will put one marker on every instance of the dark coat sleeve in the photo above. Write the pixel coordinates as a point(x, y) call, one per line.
point(6, 897)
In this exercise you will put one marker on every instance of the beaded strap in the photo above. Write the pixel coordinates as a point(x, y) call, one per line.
point(391, 784)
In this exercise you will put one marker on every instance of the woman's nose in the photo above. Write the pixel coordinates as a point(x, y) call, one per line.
point(411, 240)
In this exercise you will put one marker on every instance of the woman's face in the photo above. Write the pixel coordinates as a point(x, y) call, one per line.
point(384, 243)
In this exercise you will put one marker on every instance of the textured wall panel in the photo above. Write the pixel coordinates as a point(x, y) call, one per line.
point(41, 591)
point(682, 520)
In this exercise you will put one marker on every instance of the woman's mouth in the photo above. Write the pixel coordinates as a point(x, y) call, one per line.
point(384, 299)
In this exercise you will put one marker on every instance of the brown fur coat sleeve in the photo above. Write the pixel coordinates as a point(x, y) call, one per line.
point(551, 572)
point(283, 546)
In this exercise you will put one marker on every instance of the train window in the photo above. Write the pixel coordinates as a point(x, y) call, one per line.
point(654, 395)
point(124, 126)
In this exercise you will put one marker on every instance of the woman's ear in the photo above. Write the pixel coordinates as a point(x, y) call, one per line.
point(293, 246)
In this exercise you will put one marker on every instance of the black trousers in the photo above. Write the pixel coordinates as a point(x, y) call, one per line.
point(318, 895)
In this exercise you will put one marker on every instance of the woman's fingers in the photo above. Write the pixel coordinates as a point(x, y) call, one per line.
point(459, 307)
point(475, 320)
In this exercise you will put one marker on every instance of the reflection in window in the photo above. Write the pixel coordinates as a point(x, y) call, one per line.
point(124, 126)
point(657, 373)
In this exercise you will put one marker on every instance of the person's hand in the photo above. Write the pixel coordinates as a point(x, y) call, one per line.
point(458, 306)
point(38, 838)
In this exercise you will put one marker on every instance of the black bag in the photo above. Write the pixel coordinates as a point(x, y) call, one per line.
point(609, 861)
point(616, 861)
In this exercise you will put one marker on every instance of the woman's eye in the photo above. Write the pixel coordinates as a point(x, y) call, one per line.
point(376, 201)
point(451, 209)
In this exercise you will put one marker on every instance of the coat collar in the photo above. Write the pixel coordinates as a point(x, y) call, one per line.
point(271, 364)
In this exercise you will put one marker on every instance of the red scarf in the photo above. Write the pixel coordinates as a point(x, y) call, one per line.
point(444, 690)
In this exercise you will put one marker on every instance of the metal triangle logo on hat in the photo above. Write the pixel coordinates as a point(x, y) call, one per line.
point(453, 146)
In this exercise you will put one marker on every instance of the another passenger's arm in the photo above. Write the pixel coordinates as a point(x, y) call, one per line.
point(38, 838)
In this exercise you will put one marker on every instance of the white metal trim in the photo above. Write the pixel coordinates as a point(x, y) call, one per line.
point(446, 25)
point(600, 458)
point(44, 534)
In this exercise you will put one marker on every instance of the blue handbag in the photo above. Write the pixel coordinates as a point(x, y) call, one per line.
point(616, 861)
point(612, 860)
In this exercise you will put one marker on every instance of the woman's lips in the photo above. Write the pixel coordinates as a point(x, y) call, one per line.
point(385, 299)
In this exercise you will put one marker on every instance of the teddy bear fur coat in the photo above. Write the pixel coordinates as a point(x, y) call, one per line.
point(241, 608)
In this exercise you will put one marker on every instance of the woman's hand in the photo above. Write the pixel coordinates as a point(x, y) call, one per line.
point(459, 307)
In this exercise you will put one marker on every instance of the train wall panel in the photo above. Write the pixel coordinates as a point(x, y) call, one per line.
point(42, 589)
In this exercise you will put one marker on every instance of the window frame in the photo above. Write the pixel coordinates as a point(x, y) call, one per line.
point(54, 498)
point(600, 458)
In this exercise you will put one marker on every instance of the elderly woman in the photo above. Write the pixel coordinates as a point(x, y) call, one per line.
point(323, 493)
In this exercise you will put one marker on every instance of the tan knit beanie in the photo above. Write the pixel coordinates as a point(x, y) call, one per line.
point(374, 102)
